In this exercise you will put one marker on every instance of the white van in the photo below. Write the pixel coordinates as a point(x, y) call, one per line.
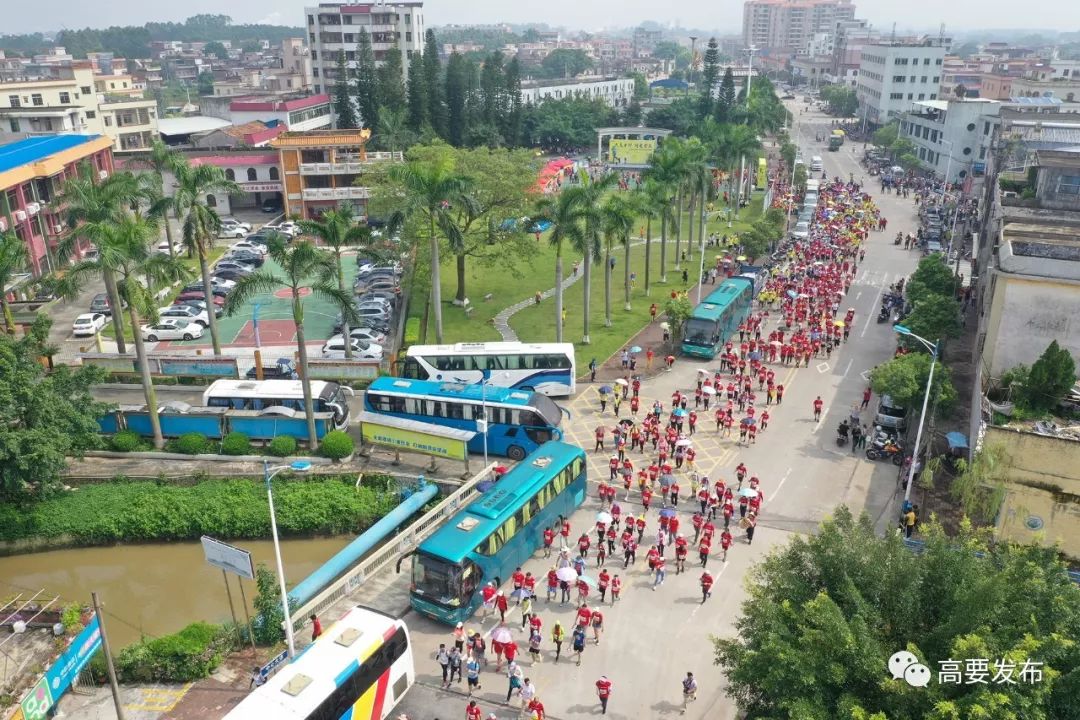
point(816, 164)
point(812, 187)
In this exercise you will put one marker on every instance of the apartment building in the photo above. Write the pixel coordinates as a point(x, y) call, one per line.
point(32, 172)
point(323, 168)
point(952, 137)
point(786, 26)
point(335, 27)
point(894, 74)
point(616, 92)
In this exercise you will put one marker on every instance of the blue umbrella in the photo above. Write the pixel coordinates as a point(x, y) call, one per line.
point(605, 389)
point(635, 349)
point(679, 412)
point(792, 294)
point(666, 480)
point(668, 512)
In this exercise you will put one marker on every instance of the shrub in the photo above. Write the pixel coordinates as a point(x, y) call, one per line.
point(412, 331)
point(189, 655)
point(336, 445)
point(191, 444)
point(127, 441)
point(282, 446)
point(236, 443)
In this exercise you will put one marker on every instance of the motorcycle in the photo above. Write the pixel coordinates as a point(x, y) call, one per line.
point(885, 448)
point(884, 315)
point(841, 438)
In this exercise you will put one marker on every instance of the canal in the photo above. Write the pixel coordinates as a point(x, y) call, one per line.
point(154, 589)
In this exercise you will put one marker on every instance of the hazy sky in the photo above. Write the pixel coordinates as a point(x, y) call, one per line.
point(724, 16)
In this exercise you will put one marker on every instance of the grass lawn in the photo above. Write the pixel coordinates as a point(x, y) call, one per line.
point(537, 323)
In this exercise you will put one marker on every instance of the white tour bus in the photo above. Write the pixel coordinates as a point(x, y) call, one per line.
point(264, 394)
point(546, 368)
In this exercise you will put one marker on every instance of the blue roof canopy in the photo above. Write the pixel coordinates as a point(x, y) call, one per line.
point(21, 153)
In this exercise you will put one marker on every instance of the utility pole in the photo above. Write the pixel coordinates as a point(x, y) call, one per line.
point(108, 657)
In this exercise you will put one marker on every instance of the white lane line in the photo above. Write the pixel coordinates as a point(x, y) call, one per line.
point(870, 315)
point(817, 425)
point(848, 368)
point(700, 605)
point(782, 481)
point(858, 295)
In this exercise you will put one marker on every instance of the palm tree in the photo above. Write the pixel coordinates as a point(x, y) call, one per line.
point(429, 191)
point(90, 207)
point(393, 129)
point(303, 266)
point(563, 211)
point(338, 230)
point(124, 251)
point(160, 160)
point(666, 171)
point(619, 213)
point(696, 165)
point(735, 142)
point(12, 261)
point(201, 223)
point(650, 201)
point(590, 194)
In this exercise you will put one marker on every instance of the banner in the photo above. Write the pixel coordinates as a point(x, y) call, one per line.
point(630, 152)
point(62, 673)
point(413, 441)
point(762, 178)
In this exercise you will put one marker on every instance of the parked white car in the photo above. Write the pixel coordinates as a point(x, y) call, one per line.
point(188, 313)
point(88, 324)
point(334, 349)
point(286, 228)
point(232, 231)
point(249, 246)
point(163, 248)
point(229, 221)
point(367, 335)
point(171, 329)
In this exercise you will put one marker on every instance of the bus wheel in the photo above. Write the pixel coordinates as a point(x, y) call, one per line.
point(515, 453)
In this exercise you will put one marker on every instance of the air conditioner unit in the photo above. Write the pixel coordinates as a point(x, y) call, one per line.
point(102, 174)
point(20, 215)
point(33, 208)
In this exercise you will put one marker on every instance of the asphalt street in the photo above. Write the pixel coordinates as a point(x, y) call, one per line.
point(653, 638)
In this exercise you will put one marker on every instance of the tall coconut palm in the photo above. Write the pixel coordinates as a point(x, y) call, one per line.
point(201, 223)
point(563, 211)
point(590, 195)
point(736, 143)
point(429, 191)
point(12, 261)
point(649, 199)
point(90, 206)
point(619, 213)
point(160, 160)
point(124, 251)
point(666, 172)
point(303, 267)
point(337, 230)
point(696, 164)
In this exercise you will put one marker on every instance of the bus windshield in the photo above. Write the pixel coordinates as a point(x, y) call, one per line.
point(547, 408)
point(700, 332)
point(437, 580)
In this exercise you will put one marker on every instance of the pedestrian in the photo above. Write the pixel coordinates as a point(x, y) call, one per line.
point(526, 693)
point(909, 522)
point(478, 648)
point(501, 604)
point(578, 641)
point(706, 586)
point(558, 635)
point(472, 712)
point(442, 656)
point(818, 404)
point(316, 628)
point(661, 573)
point(526, 611)
point(856, 437)
point(257, 678)
point(455, 664)
point(689, 690)
point(751, 523)
point(616, 588)
point(488, 596)
point(472, 674)
point(603, 691)
point(514, 677)
point(592, 370)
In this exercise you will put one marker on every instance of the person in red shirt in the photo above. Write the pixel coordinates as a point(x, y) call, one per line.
point(729, 510)
point(709, 530)
point(552, 584)
point(603, 691)
point(697, 521)
point(740, 472)
point(779, 394)
point(613, 467)
point(706, 586)
point(549, 539)
point(536, 708)
point(725, 542)
point(517, 578)
point(616, 588)
point(565, 532)
point(602, 583)
point(764, 420)
point(529, 585)
point(752, 432)
point(597, 622)
point(673, 528)
point(818, 404)
point(472, 712)
point(673, 494)
point(755, 504)
point(488, 596)
point(584, 615)
point(703, 551)
point(681, 551)
point(583, 544)
point(599, 438)
point(501, 604)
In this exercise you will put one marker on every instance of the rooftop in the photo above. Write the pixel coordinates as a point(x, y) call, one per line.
point(34, 149)
point(190, 125)
point(1041, 249)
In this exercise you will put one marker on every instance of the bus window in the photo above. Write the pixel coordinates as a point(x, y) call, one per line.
point(470, 580)
point(436, 409)
point(441, 362)
point(397, 404)
point(414, 406)
point(455, 411)
point(413, 370)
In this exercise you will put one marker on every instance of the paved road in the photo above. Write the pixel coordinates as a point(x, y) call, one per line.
point(654, 637)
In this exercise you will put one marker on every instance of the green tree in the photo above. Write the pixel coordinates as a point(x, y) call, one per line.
point(567, 123)
point(433, 84)
point(653, 204)
point(904, 380)
point(885, 136)
point(1051, 377)
point(931, 277)
point(641, 86)
point(678, 310)
point(417, 98)
point(391, 79)
point(666, 170)
point(934, 317)
point(394, 133)
point(270, 618)
point(563, 211)
point(162, 159)
point(45, 417)
point(367, 81)
point(514, 112)
point(680, 116)
point(201, 223)
point(725, 99)
point(618, 215)
point(841, 100)
point(590, 194)
point(566, 63)
point(457, 93)
point(428, 191)
point(12, 261)
point(344, 110)
point(800, 177)
point(206, 83)
point(216, 49)
point(124, 251)
point(710, 73)
point(305, 270)
point(493, 97)
point(850, 599)
point(632, 115)
point(666, 50)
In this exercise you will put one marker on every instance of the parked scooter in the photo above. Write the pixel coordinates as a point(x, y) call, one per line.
point(842, 434)
point(884, 446)
point(884, 315)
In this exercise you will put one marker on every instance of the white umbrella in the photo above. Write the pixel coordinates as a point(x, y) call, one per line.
point(665, 326)
point(709, 390)
point(566, 574)
point(702, 371)
point(621, 381)
point(502, 634)
point(685, 442)
point(602, 517)
point(748, 492)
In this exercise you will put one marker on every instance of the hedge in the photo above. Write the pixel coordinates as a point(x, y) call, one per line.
point(141, 511)
point(336, 445)
point(189, 655)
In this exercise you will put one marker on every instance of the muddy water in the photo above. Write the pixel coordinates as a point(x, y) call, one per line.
point(154, 589)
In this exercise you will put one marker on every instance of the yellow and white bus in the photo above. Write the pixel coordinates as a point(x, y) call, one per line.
point(358, 669)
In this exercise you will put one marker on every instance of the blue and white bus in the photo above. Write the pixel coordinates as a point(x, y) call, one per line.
point(546, 368)
point(718, 317)
point(267, 394)
point(496, 533)
point(519, 421)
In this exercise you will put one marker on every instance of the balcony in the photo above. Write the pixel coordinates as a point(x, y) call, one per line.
point(352, 164)
point(348, 193)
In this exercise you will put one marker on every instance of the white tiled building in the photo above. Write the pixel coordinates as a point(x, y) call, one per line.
point(893, 75)
point(616, 92)
point(951, 136)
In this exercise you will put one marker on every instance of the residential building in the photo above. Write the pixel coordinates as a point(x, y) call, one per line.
point(334, 28)
point(32, 172)
point(616, 92)
point(893, 74)
point(256, 172)
point(324, 168)
point(786, 26)
point(1068, 89)
point(951, 137)
point(249, 135)
point(295, 67)
point(297, 111)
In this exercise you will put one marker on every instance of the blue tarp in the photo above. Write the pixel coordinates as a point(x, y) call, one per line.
point(33, 149)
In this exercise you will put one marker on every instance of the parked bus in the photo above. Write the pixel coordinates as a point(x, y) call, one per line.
point(497, 533)
point(519, 421)
point(546, 368)
point(718, 317)
point(264, 394)
point(358, 669)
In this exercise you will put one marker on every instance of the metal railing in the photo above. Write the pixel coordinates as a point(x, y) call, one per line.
point(393, 548)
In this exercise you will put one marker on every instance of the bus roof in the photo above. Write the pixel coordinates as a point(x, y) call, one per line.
point(251, 388)
point(506, 348)
point(311, 677)
point(466, 530)
point(458, 391)
point(712, 307)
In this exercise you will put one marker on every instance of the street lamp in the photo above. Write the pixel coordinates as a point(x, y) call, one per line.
point(268, 475)
point(482, 423)
point(933, 348)
point(948, 168)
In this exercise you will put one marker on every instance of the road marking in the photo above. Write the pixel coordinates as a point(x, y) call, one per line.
point(858, 295)
point(870, 315)
point(865, 375)
point(817, 425)
point(848, 368)
point(822, 367)
point(782, 481)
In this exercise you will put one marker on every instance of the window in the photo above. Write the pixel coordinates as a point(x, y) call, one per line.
point(933, 96)
point(108, 121)
point(230, 175)
point(14, 123)
point(13, 101)
point(36, 100)
point(274, 175)
point(922, 96)
point(922, 79)
point(211, 201)
point(898, 78)
point(251, 175)
point(937, 79)
point(65, 98)
point(938, 61)
point(314, 54)
point(896, 96)
point(315, 72)
point(91, 114)
point(1068, 185)
point(911, 96)
point(85, 90)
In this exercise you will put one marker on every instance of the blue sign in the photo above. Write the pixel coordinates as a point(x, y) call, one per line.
point(269, 667)
point(202, 367)
point(62, 673)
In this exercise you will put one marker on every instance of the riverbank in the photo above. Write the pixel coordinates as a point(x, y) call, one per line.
point(126, 511)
